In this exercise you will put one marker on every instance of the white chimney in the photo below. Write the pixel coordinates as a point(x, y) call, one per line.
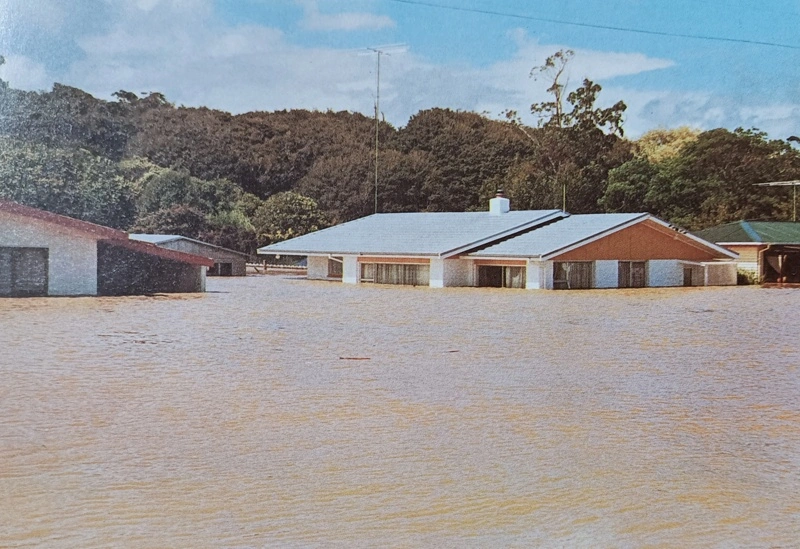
point(499, 204)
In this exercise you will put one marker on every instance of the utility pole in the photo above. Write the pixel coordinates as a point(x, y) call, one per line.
point(378, 51)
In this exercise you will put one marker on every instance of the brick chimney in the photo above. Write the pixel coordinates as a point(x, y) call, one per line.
point(499, 205)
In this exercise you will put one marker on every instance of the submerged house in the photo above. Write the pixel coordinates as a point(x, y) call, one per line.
point(768, 250)
point(46, 254)
point(226, 262)
point(537, 249)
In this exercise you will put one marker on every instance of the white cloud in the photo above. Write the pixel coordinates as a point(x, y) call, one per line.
point(24, 73)
point(347, 21)
point(44, 14)
point(179, 48)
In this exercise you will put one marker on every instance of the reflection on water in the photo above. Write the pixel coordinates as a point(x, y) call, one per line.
point(283, 412)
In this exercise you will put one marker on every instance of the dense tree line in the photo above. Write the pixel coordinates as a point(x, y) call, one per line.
point(241, 181)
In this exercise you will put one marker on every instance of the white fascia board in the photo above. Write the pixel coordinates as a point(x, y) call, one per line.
point(507, 233)
point(595, 237)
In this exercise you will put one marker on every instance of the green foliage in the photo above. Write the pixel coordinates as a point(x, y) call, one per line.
point(72, 182)
point(710, 180)
point(287, 215)
point(663, 144)
point(179, 219)
point(746, 278)
point(457, 152)
point(196, 171)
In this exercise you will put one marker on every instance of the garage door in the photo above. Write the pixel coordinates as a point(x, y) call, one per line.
point(23, 272)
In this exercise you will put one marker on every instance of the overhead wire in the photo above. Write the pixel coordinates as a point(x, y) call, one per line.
point(594, 25)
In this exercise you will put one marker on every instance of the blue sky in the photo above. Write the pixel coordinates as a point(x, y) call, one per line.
point(475, 55)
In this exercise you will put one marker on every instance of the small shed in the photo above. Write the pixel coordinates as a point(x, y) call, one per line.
point(227, 262)
point(46, 254)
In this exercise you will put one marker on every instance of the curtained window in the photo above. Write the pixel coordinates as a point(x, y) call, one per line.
point(395, 273)
point(573, 275)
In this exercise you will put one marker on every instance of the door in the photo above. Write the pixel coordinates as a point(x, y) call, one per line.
point(23, 272)
point(632, 274)
point(490, 276)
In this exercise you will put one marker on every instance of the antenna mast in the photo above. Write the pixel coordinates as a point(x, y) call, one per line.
point(380, 50)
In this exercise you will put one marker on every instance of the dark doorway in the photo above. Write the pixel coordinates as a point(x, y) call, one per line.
point(490, 276)
point(782, 264)
point(23, 272)
point(221, 269)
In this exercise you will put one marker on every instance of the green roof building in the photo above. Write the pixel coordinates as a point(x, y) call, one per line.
point(770, 250)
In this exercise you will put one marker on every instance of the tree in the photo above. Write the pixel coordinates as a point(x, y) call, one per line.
point(709, 181)
point(574, 147)
point(287, 215)
point(72, 182)
point(177, 219)
point(662, 144)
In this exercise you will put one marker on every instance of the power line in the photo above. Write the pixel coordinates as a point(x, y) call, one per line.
point(594, 26)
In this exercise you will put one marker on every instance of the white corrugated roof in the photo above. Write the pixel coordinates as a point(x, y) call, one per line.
point(155, 238)
point(559, 235)
point(427, 234)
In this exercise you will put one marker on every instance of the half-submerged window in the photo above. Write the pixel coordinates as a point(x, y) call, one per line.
point(495, 276)
point(572, 275)
point(632, 274)
point(395, 273)
point(334, 267)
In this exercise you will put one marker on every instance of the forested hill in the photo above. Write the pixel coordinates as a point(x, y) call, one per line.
point(140, 162)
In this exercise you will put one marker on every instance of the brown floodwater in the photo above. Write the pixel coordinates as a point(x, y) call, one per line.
point(280, 412)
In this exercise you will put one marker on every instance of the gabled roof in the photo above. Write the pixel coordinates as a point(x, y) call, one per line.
point(164, 253)
point(111, 236)
point(575, 231)
point(437, 234)
point(753, 232)
point(92, 229)
point(160, 239)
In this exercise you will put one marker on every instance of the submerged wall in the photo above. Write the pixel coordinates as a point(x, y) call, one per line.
point(121, 271)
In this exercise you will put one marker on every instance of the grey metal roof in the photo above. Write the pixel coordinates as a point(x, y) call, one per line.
point(160, 239)
point(559, 235)
point(155, 238)
point(425, 234)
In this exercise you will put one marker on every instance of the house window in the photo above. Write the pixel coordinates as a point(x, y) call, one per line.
point(632, 274)
point(573, 275)
point(395, 273)
point(495, 276)
point(335, 267)
point(23, 272)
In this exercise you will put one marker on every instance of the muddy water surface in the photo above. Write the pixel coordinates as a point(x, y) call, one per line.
point(278, 412)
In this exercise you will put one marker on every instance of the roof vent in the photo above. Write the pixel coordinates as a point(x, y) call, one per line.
point(499, 204)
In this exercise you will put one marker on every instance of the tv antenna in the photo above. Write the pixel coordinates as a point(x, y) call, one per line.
point(387, 49)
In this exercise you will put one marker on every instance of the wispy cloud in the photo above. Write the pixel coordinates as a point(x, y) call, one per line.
point(345, 21)
point(182, 49)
